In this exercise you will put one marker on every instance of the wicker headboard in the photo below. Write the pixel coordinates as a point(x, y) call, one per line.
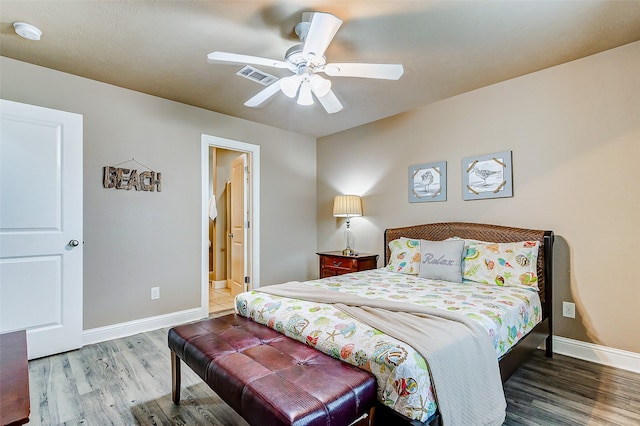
point(492, 233)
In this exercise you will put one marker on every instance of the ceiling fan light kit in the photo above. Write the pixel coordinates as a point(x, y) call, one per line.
point(305, 98)
point(289, 86)
point(305, 60)
point(321, 86)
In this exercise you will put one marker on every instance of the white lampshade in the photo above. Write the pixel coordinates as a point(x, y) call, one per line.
point(347, 206)
point(305, 97)
point(289, 85)
point(320, 86)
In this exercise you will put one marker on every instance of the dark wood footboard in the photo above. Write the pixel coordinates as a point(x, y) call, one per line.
point(522, 351)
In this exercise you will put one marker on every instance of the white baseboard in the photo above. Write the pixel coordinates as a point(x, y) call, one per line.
point(596, 353)
point(116, 331)
point(220, 284)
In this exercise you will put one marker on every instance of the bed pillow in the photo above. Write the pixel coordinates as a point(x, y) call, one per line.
point(503, 264)
point(441, 260)
point(405, 256)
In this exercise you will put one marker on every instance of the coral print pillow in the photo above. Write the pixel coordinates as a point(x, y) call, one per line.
point(405, 256)
point(503, 264)
point(441, 260)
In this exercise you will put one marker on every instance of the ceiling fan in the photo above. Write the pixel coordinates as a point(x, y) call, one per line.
point(306, 60)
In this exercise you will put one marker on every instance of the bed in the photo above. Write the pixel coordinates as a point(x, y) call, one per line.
point(405, 391)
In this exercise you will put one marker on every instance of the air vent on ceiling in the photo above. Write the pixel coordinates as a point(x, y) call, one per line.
point(256, 75)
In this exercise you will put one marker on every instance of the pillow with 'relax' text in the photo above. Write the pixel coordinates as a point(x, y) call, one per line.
point(441, 260)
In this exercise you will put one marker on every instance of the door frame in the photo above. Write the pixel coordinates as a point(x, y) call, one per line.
point(253, 269)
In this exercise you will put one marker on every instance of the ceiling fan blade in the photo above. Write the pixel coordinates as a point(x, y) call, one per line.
point(264, 95)
point(381, 71)
point(323, 28)
point(214, 57)
point(330, 102)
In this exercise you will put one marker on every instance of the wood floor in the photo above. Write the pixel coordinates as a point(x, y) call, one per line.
point(569, 391)
point(127, 382)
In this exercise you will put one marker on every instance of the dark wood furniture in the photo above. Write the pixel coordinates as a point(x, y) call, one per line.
point(334, 263)
point(268, 378)
point(14, 379)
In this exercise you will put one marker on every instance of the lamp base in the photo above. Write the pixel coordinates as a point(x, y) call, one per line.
point(349, 252)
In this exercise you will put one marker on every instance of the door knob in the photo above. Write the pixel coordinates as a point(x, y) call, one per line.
point(74, 243)
point(230, 235)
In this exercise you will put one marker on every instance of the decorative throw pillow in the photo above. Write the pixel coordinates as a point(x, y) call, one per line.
point(503, 264)
point(405, 256)
point(441, 260)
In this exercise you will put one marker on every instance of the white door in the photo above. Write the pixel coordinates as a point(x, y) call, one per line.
point(41, 226)
point(238, 215)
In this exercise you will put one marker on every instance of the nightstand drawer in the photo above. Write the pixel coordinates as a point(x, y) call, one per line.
point(335, 263)
point(341, 265)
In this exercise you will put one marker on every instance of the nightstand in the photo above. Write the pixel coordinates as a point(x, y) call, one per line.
point(334, 263)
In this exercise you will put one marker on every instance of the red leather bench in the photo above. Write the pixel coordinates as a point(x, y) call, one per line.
point(268, 378)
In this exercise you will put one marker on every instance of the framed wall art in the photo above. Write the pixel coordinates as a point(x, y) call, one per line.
point(428, 182)
point(487, 176)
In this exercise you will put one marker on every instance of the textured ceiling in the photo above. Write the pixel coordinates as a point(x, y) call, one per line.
point(446, 47)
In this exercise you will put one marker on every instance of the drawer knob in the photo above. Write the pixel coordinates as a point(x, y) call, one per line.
point(336, 263)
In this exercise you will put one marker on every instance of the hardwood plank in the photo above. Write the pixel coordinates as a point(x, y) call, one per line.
point(568, 391)
point(128, 381)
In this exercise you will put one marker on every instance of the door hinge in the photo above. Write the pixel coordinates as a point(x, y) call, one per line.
point(246, 280)
point(247, 224)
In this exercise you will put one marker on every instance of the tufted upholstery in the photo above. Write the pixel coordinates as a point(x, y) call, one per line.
point(268, 378)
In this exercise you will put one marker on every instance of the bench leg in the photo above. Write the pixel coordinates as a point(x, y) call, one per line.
point(364, 420)
point(175, 378)
point(371, 412)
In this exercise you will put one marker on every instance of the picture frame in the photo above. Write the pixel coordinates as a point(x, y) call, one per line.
point(428, 182)
point(487, 176)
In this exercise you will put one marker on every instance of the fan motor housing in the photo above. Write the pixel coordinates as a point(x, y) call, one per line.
point(295, 57)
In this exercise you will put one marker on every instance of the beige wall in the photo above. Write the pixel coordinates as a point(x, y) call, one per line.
point(574, 131)
point(137, 240)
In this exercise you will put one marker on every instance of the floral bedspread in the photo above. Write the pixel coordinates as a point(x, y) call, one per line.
point(507, 313)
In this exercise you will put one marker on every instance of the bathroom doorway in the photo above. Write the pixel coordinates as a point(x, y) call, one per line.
point(231, 221)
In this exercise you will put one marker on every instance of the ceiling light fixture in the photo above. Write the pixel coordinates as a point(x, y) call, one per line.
point(27, 31)
point(305, 98)
point(321, 86)
point(289, 85)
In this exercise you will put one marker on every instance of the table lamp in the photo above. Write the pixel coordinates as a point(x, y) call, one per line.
point(347, 206)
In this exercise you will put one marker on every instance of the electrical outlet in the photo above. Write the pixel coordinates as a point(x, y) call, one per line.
point(155, 293)
point(568, 309)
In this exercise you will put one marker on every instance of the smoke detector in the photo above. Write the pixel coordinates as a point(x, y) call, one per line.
point(27, 31)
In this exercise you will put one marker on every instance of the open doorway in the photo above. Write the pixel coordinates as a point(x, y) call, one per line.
point(230, 221)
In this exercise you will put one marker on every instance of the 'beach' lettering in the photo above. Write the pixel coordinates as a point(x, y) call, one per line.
point(120, 178)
